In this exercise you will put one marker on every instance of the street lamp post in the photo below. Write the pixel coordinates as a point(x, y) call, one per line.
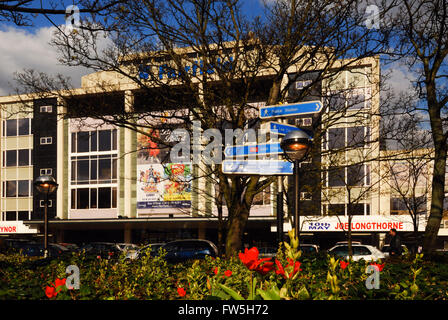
point(296, 145)
point(46, 185)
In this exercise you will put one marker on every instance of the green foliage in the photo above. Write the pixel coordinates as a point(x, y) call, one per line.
point(321, 277)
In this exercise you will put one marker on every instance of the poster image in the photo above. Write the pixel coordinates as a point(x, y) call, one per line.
point(164, 186)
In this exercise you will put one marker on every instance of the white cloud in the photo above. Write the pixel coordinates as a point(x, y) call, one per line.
point(20, 49)
point(399, 77)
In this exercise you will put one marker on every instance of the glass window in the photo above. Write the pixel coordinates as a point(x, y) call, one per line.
point(24, 188)
point(355, 175)
point(355, 137)
point(361, 251)
point(83, 170)
point(114, 197)
point(336, 138)
point(356, 99)
point(104, 197)
point(93, 198)
point(336, 177)
point(93, 169)
point(73, 204)
point(82, 198)
point(114, 139)
point(24, 127)
point(24, 157)
point(83, 142)
point(336, 101)
point(336, 209)
point(104, 141)
point(24, 215)
point(11, 158)
point(93, 141)
point(355, 209)
point(11, 215)
point(11, 188)
point(74, 142)
point(11, 128)
point(104, 169)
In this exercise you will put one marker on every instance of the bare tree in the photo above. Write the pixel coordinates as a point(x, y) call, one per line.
point(206, 58)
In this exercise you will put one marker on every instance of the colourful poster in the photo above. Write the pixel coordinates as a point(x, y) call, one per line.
point(160, 184)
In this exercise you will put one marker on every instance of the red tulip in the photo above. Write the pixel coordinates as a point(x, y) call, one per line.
point(215, 271)
point(228, 273)
point(265, 268)
point(280, 270)
point(379, 266)
point(343, 264)
point(50, 292)
point(181, 292)
point(59, 282)
point(250, 258)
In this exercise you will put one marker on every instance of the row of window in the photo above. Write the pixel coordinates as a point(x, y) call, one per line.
point(17, 158)
point(352, 176)
point(352, 137)
point(94, 169)
point(16, 215)
point(94, 141)
point(94, 198)
point(17, 188)
point(342, 209)
point(16, 127)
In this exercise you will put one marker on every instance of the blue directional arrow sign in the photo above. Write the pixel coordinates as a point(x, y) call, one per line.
point(293, 109)
point(255, 149)
point(281, 128)
point(258, 167)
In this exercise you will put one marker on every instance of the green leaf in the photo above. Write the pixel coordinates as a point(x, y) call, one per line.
point(272, 294)
point(230, 292)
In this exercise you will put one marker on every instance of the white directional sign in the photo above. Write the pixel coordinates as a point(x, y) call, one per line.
point(281, 128)
point(258, 167)
point(293, 109)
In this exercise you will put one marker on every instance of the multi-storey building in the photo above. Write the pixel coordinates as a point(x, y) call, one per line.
point(115, 185)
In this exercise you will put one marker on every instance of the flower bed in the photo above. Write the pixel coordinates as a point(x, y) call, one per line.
point(289, 276)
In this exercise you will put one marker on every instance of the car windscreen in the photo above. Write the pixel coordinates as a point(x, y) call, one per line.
point(361, 251)
point(341, 251)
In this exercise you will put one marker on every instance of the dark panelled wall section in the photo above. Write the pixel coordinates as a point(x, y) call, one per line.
point(44, 152)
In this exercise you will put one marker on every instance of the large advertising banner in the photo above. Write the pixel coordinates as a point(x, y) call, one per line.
point(160, 183)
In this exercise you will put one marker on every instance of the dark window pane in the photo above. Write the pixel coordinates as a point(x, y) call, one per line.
point(73, 206)
point(23, 215)
point(11, 215)
point(93, 198)
point(83, 142)
point(336, 177)
point(114, 197)
point(355, 175)
point(24, 157)
point(11, 128)
point(336, 209)
point(11, 188)
point(82, 198)
point(24, 187)
point(93, 169)
point(11, 158)
point(73, 178)
point(114, 169)
point(336, 101)
point(336, 138)
point(93, 141)
point(355, 209)
point(356, 100)
point(24, 127)
point(355, 137)
point(104, 169)
point(104, 197)
point(114, 139)
point(104, 140)
point(83, 170)
point(74, 142)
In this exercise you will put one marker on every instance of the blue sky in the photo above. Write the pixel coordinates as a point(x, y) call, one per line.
point(28, 47)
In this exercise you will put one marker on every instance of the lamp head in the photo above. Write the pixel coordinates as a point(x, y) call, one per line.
point(45, 184)
point(296, 144)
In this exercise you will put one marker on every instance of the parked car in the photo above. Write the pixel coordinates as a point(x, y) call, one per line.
point(386, 249)
point(182, 250)
point(308, 248)
point(69, 246)
point(360, 251)
point(35, 249)
point(127, 246)
point(105, 250)
point(346, 242)
point(152, 249)
point(267, 252)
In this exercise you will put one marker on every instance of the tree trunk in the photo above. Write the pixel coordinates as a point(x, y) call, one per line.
point(236, 225)
point(220, 225)
point(438, 177)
